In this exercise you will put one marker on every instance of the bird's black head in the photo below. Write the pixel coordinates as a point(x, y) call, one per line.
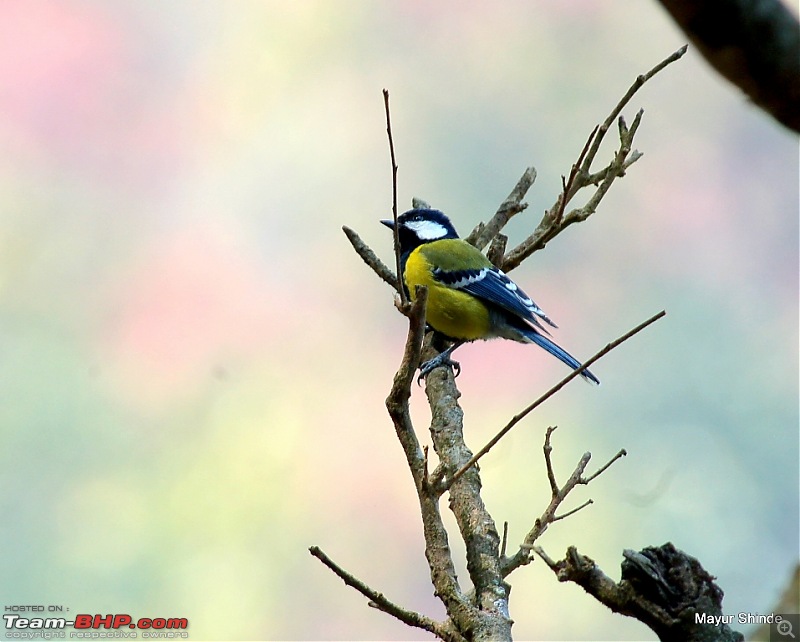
point(419, 226)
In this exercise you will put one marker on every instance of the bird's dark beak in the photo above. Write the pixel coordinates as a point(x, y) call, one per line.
point(388, 223)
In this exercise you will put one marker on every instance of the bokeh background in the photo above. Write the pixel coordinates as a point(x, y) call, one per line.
point(193, 361)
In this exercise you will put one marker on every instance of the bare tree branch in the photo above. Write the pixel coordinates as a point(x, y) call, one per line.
point(662, 587)
point(370, 258)
point(474, 521)
point(755, 44)
point(557, 496)
point(397, 401)
point(482, 613)
point(497, 249)
point(554, 221)
point(461, 611)
point(377, 600)
point(635, 86)
point(395, 232)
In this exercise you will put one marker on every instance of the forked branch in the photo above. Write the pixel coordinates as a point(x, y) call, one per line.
point(555, 220)
point(557, 495)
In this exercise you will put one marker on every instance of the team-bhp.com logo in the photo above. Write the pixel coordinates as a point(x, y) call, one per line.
point(87, 626)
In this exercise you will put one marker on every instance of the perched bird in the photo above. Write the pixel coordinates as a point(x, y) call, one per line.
point(468, 297)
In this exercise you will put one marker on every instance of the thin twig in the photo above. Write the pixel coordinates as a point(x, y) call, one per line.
point(519, 417)
point(395, 231)
point(369, 257)
point(551, 476)
point(549, 515)
point(616, 168)
point(570, 186)
point(619, 455)
point(554, 221)
point(635, 86)
point(381, 602)
point(558, 495)
point(588, 502)
point(546, 558)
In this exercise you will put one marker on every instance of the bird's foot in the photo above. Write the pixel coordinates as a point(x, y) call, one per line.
point(442, 359)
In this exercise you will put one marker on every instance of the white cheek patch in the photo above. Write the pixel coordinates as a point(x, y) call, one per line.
point(427, 230)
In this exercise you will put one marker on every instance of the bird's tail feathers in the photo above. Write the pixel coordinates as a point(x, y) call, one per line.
point(558, 352)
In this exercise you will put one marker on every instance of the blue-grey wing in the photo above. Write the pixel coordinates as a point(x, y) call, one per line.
point(494, 286)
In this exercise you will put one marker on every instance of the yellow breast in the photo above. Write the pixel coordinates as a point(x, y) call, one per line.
point(451, 312)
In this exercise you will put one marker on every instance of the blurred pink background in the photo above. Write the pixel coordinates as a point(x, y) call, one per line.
point(193, 361)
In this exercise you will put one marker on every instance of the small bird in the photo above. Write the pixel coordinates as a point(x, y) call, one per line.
point(468, 297)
